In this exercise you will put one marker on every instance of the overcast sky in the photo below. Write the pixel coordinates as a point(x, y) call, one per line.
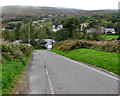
point(79, 4)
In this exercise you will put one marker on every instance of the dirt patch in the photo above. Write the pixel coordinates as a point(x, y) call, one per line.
point(22, 85)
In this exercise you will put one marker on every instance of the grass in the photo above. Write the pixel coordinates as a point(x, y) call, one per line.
point(105, 60)
point(110, 37)
point(11, 70)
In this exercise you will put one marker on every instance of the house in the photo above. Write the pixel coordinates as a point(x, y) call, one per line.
point(110, 30)
point(83, 25)
point(3, 29)
point(57, 28)
point(46, 43)
point(17, 41)
point(101, 30)
point(91, 30)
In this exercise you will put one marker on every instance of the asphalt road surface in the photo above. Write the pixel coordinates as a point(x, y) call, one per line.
point(51, 73)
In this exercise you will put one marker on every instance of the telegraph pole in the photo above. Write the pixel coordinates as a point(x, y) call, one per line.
point(29, 33)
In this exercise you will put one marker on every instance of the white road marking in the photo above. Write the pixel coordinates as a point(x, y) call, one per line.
point(51, 88)
point(89, 67)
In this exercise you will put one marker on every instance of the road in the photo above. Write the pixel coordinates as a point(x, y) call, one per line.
point(51, 73)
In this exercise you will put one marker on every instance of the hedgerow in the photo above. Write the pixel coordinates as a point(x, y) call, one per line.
point(14, 60)
point(107, 46)
point(16, 51)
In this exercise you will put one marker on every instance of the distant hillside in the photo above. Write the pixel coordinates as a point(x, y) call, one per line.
point(37, 10)
point(13, 11)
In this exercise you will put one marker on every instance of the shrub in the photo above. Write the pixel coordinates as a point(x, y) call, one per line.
point(14, 57)
point(108, 46)
point(68, 46)
point(16, 51)
point(26, 50)
point(58, 44)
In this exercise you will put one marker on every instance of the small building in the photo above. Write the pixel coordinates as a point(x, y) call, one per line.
point(91, 30)
point(17, 41)
point(101, 30)
point(57, 28)
point(83, 25)
point(47, 43)
point(110, 30)
point(3, 29)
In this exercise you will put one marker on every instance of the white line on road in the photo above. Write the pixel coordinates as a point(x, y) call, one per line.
point(82, 64)
point(51, 88)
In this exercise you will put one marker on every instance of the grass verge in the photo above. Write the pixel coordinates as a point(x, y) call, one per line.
point(11, 71)
point(105, 60)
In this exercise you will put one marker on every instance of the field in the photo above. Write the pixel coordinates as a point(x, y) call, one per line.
point(110, 37)
point(105, 60)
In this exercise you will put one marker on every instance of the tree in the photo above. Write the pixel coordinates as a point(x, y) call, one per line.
point(92, 24)
point(17, 30)
point(83, 19)
point(8, 35)
point(40, 33)
point(62, 34)
point(72, 26)
point(117, 27)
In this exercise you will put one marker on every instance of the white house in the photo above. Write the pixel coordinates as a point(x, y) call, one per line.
point(83, 25)
point(3, 29)
point(101, 30)
point(112, 30)
point(17, 41)
point(57, 28)
point(48, 43)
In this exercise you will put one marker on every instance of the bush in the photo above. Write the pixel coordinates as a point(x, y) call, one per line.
point(16, 51)
point(38, 44)
point(108, 46)
point(14, 57)
point(26, 50)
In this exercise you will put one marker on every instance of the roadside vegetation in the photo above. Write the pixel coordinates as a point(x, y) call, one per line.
point(103, 54)
point(107, 46)
point(14, 60)
point(97, 47)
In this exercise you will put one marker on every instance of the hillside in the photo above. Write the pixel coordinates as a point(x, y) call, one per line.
point(31, 10)
point(16, 11)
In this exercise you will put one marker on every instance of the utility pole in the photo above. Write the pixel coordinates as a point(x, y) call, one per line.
point(29, 33)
